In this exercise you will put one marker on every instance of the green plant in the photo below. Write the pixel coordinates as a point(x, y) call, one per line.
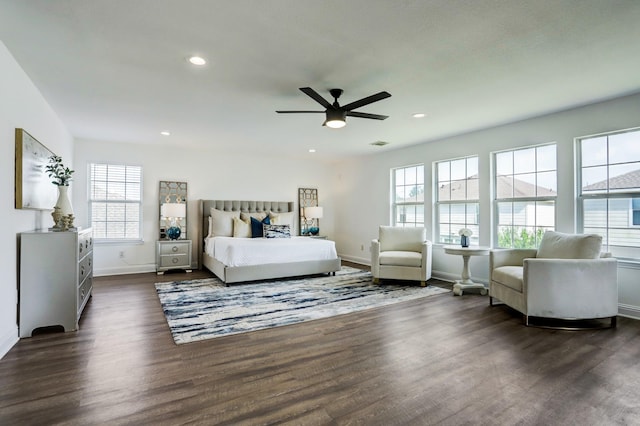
point(59, 174)
point(519, 237)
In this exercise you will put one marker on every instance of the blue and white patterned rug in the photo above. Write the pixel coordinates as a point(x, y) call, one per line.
point(204, 309)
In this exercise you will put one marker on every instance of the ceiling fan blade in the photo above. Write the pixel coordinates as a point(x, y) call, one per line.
point(299, 112)
point(366, 101)
point(366, 115)
point(316, 97)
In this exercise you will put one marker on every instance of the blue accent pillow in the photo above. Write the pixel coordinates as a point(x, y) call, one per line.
point(256, 226)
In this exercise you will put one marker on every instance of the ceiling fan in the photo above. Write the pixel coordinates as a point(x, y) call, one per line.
point(336, 114)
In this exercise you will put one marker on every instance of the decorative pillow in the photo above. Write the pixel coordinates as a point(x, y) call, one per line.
point(210, 227)
point(257, 215)
point(283, 218)
point(241, 228)
point(256, 227)
point(276, 231)
point(556, 245)
point(222, 223)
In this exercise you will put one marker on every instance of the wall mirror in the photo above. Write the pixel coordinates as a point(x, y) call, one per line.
point(307, 197)
point(173, 210)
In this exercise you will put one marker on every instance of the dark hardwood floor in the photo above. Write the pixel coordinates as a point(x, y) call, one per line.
point(439, 360)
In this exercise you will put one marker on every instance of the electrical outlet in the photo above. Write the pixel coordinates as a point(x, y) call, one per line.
point(122, 255)
point(361, 247)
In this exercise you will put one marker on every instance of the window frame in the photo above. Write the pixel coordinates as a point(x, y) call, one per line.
point(139, 202)
point(395, 205)
point(475, 238)
point(526, 200)
point(606, 195)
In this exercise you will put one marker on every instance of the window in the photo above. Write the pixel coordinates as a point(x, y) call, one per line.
point(115, 201)
point(609, 190)
point(525, 194)
point(457, 198)
point(408, 196)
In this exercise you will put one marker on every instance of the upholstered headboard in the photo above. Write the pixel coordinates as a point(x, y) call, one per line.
point(235, 205)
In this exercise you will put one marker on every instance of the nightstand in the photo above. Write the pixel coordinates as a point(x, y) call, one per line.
point(173, 254)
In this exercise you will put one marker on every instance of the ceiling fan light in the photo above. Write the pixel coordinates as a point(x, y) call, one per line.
point(335, 119)
point(336, 124)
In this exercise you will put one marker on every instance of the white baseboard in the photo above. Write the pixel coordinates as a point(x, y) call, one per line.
point(120, 270)
point(354, 259)
point(629, 311)
point(8, 340)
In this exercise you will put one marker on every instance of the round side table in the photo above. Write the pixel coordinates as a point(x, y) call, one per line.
point(466, 283)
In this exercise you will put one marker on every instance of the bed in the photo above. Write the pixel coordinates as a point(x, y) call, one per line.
point(235, 259)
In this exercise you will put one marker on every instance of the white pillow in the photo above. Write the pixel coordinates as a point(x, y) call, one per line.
point(222, 223)
point(241, 228)
point(282, 218)
point(556, 245)
point(257, 215)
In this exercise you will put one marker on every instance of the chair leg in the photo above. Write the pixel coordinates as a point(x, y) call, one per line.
point(423, 283)
point(614, 321)
point(490, 300)
point(376, 280)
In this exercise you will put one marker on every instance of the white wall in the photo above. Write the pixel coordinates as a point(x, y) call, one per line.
point(362, 184)
point(209, 175)
point(21, 106)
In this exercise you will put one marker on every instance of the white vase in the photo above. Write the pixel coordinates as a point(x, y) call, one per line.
point(63, 202)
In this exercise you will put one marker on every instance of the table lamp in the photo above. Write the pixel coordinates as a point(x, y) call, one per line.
point(173, 211)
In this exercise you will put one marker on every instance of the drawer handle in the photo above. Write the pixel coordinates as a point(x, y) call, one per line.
point(82, 271)
point(175, 260)
point(82, 294)
point(81, 248)
point(174, 249)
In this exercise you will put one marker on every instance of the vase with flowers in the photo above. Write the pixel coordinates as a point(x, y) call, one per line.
point(465, 234)
point(61, 177)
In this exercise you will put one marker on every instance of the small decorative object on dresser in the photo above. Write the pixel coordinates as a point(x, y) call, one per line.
point(56, 279)
point(63, 210)
point(173, 254)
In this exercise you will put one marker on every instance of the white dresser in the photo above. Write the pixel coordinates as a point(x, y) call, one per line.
point(173, 254)
point(56, 277)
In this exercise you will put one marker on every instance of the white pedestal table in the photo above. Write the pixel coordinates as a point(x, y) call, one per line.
point(466, 283)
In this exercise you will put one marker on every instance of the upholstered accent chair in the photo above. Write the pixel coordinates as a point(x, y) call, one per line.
point(566, 278)
point(401, 254)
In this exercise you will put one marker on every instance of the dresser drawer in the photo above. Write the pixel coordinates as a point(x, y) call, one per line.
point(84, 291)
point(174, 261)
point(174, 248)
point(85, 243)
point(85, 268)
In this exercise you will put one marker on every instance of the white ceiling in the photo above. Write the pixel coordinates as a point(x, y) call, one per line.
point(115, 70)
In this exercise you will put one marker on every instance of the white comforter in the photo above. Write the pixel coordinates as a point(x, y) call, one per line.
point(259, 251)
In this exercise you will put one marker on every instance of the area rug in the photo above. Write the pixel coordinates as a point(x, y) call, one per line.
point(206, 308)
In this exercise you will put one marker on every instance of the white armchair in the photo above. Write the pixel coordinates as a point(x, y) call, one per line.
point(401, 254)
point(567, 278)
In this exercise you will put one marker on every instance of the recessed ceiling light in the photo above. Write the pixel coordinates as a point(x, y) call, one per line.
point(165, 133)
point(312, 150)
point(379, 143)
point(418, 115)
point(197, 60)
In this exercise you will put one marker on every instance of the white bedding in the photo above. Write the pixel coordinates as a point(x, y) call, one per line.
point(259, 251)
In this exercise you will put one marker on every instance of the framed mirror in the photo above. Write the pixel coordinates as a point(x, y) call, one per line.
point(172, 209)
point(307, 197)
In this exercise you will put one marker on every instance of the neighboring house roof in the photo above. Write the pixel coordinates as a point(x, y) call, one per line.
point(506, 188)
point(627, 180)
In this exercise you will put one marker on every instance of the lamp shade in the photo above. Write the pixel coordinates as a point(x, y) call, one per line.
point(173, 210)
point(313, 212)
